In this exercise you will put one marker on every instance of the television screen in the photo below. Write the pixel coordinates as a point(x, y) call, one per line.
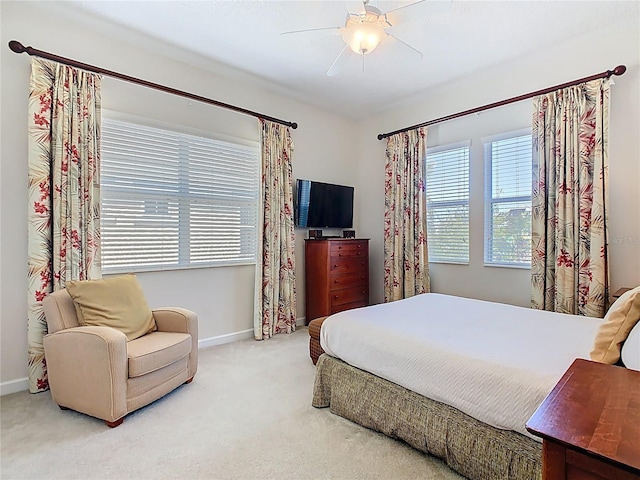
point(323, 205)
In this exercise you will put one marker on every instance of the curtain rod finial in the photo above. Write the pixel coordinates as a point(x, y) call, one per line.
point(380, 136)
point(16, 46)
point(619, 70)
point(294, 125)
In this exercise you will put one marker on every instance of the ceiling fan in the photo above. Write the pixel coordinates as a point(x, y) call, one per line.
point(366, 27)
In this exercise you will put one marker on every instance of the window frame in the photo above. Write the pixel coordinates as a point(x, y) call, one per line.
point(184, 233)
point(489, 200)
point(451, 203)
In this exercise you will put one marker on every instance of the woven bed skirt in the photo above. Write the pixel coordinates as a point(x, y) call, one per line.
point(472, 448)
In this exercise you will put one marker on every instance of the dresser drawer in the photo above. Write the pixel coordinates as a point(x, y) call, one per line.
point(348, 249)
point(344, 265)
point(349, 254)
point(347, 280)
point(349, 306)
point(349, 295)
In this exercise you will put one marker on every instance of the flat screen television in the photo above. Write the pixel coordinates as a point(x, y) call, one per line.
point(323, 205)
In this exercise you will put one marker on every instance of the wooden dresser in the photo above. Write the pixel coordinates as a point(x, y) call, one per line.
point(590, 424)
point(336, 275)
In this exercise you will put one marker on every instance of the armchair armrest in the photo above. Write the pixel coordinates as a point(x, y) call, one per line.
point(87, 368)
point(181, 320)
point(176, 319)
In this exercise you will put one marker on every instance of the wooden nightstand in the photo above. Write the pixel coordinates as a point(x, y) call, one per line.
point(621, 291)
point(590, 424)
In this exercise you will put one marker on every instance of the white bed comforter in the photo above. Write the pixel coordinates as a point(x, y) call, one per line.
point(492, 361)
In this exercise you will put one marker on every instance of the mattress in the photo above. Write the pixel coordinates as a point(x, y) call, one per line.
point(492, 361)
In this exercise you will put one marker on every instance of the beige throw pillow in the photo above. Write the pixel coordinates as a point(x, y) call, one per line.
point(116, 302)
point(620, 319)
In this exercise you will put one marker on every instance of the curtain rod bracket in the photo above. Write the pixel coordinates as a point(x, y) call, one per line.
point(17, 47)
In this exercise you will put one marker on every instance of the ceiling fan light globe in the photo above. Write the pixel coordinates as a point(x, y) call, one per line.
point(363, 38)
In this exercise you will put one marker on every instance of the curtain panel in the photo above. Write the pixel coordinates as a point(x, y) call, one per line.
point(64, 192)
point(406, 259)
point(275, 305)
point(569, 264)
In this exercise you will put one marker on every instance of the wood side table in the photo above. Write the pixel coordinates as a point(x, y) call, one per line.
point(621, 291)
point(590, 424)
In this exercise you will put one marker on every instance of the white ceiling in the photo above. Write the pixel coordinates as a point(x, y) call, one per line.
point(467, 36)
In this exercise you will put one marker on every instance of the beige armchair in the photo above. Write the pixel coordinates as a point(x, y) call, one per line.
point(94, 370)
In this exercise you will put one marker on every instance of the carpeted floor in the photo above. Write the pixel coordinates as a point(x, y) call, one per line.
point(247, 415)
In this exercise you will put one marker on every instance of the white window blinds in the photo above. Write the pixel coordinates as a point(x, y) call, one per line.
point(447, 191)
point(172, 200)
point(508, 176)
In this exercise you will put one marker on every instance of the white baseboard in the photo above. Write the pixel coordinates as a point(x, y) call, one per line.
point(13, 386)
point(236, 336)
point(227, 338)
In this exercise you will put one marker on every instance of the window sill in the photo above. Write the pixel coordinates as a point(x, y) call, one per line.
point(503, 265)
point(448, 262)
point(163, 268)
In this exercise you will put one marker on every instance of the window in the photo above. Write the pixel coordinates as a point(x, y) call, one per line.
point(447, 190)
point(171, 200)
point(508, 169)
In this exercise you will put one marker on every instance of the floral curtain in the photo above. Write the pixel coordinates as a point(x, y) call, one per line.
point(406, 260)
point(64, 192)
point(569, 265)
point(275, 308)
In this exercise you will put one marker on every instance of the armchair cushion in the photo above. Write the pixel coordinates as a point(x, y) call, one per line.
point(155, 351)
point(116, 302)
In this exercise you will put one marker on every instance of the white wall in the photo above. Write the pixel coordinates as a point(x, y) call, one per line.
point(327, 148)
point(222, 297)
point(578, 58)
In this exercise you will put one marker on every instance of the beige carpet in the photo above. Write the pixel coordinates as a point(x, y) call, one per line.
point(247, 415)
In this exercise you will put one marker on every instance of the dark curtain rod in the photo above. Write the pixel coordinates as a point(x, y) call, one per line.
point(17, 47)
point(619, 70)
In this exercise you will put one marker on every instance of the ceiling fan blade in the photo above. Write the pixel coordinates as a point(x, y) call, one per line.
point(355, 6)
point(325, 29)
point(417, 10)
point(404, 6)
point(340, 61)
point(407, 49)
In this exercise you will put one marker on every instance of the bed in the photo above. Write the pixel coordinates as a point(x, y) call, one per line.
point(454, 377)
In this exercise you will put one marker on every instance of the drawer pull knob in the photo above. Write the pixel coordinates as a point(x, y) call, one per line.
point(336, 296)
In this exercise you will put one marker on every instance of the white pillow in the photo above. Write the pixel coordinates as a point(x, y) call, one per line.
point(631, 349)
point(618, 322)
